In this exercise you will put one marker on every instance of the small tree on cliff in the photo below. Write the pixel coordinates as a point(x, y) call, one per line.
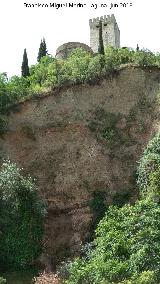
point(42, 50)
point(101, 46)
point(25, 67)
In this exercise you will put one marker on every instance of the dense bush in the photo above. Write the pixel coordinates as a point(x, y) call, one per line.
point(40, 73)
point(145, 58)
point(21, 216)
point(127, 246)
point(2, 280)
point(149, 168)
point(5, 98)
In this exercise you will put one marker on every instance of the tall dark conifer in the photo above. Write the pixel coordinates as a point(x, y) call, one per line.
point(100, 46)
point(42, 50)
point(25, 67)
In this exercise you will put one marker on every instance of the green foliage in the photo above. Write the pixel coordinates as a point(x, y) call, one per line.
point(17, 88)
point(145, 58)
point(149, 167)
point(43, 72)
point(76, 66)
point(2, 280)
point(112, 59)
point(127, 247)
point(5, 99)
point(95, 68)
point(21, 216)
point(42, 50)
point(126, 55)
point(79, 67)
point(25, 67)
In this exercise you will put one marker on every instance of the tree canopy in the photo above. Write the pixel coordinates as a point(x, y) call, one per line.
point(25, 67)
point(42, 50)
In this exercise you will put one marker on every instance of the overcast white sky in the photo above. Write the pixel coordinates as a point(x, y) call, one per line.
point(23, 27)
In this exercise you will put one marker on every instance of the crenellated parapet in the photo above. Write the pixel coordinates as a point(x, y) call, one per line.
point(104, 19)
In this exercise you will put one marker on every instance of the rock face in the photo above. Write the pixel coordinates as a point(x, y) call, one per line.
point(80, 140)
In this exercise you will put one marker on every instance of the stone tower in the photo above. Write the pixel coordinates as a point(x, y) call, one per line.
point(110, 32)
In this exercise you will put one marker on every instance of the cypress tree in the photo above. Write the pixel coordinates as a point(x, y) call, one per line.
point(25, 67)
point(42, 50)
point(101, 46)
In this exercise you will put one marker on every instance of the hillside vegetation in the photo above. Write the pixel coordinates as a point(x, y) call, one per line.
point(80, 67)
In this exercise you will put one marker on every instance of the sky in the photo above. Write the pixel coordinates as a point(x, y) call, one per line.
point(24, 27)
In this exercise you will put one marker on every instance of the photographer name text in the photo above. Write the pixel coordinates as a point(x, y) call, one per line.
point(78, 5)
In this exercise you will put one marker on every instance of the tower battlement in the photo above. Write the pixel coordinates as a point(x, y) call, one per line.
point(110, 32)
point(104, 19)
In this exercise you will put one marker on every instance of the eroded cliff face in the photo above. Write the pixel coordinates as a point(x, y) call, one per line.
point(80, 140)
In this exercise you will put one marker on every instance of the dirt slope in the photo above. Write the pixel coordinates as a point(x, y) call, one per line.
point(80, 140)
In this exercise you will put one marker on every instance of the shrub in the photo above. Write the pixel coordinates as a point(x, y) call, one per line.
point(39, 71)
point(17, 88)
point(21, 217)
point(126, 249)
point(126, 55)
point(95, 69)
point(5, 99)
point(149, 167)
point(145, 58)
point(2, 280)
point(112, 59)
point(76, 66)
